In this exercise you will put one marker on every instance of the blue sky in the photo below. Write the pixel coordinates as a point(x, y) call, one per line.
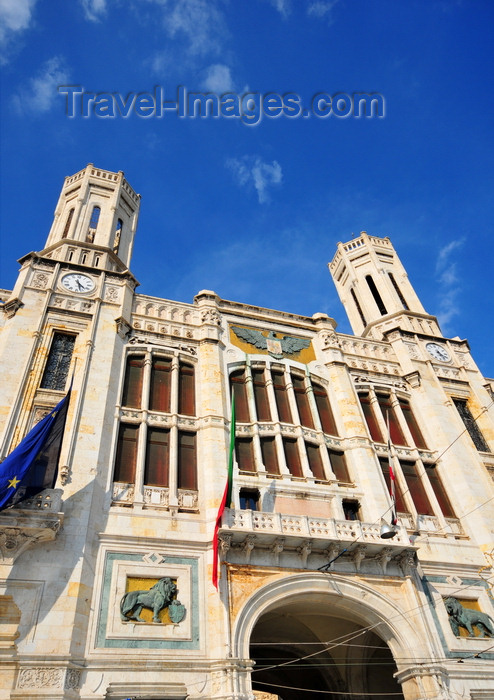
point(255, 212)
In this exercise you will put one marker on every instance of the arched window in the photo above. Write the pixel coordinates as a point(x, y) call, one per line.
point(118, 235)
point(93, 224)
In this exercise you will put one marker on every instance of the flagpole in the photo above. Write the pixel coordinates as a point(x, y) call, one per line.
point(392, 477)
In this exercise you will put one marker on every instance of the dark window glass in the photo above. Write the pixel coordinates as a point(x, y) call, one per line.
point(269, 455)
point(370, 418)
point(416, 488)
point(280, 392)
point(412, 424)
point(245, 454)
point(389, 415)
point(249, 499)
point(376, 295)
point(260, 395)
point(315, 462)
point(292, 457)
point(440, 493)
point(187, 471)
point(161, 373)
point(302, 400)
point(68, 222)
point(351, 509)
point(400, 503)
point(471, 425)
point(132, 390)
point(186, 395)
point(125, 462)
point(239, 387)
point(157, 457)
point(338, 465)
point(324, 409)
point(58, 362)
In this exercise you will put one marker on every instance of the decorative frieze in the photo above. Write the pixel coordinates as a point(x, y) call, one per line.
point(49, 677)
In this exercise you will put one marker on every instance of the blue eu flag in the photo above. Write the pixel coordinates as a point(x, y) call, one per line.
point(33, 465)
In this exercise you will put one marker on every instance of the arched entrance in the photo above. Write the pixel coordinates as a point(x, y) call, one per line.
point(313, 636)
point(298, 649)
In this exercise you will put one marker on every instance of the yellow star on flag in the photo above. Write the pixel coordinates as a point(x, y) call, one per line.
point(13, 483)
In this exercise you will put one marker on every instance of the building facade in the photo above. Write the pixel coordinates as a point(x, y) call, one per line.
point(106, 579)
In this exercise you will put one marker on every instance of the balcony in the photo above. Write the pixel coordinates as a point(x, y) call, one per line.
point(302, 541)
point(30, 522)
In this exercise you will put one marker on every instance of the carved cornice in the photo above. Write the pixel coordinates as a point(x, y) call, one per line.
point(11, 307)
point(36, 520)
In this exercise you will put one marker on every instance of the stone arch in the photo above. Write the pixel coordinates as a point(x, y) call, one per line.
point(346, 598)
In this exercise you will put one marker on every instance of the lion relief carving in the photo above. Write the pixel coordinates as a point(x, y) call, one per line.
point(468, 619)
point(160, 596)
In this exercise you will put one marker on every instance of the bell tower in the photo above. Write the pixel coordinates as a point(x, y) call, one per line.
point(375, 290)
point(95, 220)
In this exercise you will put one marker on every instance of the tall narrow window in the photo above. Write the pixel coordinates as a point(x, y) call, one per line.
point(187, 471)
point(157, 457)
point(261, 395)
point(389, 415)
point(93, 224)
point(398, 291)
point(471, 425)
point(292, 457)
point(159, 399)
point(126, 459)
point(416, 488)
point(186, 394)
point(370, 418)
point(269, 456)
point(118, 234)
point(239, 387)
point(315, 462)
point(440, 493)
point(281, 396)
point(245, 454)
point(412, 424)
point(324, 409)
point(58, 363)
point(338, 465)
point(68, 222)
point(359, 308)
point(132, 390)
point(302, 402)
point(376, 295)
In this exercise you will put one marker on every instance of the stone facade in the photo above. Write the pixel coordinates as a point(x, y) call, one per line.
point(310, 595)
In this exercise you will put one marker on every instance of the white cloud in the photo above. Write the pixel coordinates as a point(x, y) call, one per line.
point(283, 6)
point(94, 9)
point(15, 17)
point(449, 285)
point(322, 9)
point(218, 79)
point(40, 93)
point(252, 171)
point(200, 22)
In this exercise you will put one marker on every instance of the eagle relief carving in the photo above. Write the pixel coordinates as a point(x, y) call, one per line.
point(277, 347)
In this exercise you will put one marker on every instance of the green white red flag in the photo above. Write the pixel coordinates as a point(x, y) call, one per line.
point(227, 494)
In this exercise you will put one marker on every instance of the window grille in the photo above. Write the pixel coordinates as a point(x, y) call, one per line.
point(471, 425)
point(58, 362)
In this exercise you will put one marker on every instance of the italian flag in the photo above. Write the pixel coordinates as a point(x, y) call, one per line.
point(227, 495)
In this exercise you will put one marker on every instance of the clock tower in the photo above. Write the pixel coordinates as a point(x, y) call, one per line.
point(375, 290)
point(74, 296)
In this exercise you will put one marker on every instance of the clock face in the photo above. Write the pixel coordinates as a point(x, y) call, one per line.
point(438, 352)
point(75, 282)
